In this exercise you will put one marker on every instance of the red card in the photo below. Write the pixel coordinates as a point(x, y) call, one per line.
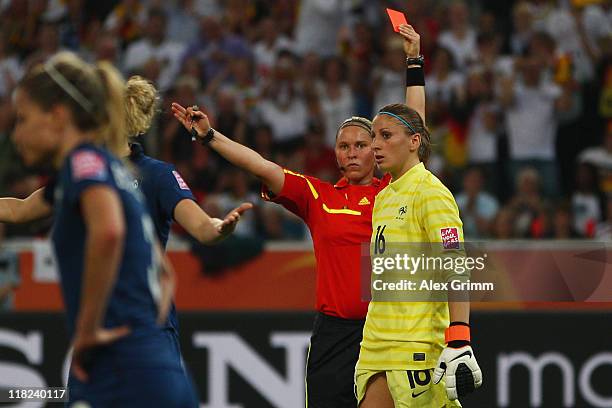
point(397, 19)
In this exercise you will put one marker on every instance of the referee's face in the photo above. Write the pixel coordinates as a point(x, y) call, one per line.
point(354, 154)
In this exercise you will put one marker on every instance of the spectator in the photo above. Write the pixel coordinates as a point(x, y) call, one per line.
point(522, 17)
point(477, 207)
point(72, 20)
point(603, 232)
point(19, 26)
point(215, 48)
point(48, 45)
point(586, 201)
point(127, 21)
point(176, 141)
point(577, 31)
point(155, 49)
point(107, 48)
point(282, 107)
point(263, 142)
point(228, 119)
point(9, 275)
point(309, 73)
point(489, 58)
point(460, 38)
point(183, 24)
point(389, 75)
point(335, 97)
point(444, 82)
point(601, 158)
point(10, 68)
point(527, 204)
point(319, 158)
point(318, 25)
point(563, 226)
point(238, 81)
point(270, 43)
point(207, 7)
point(503, 227)
point(531, 106)
point(483, 126)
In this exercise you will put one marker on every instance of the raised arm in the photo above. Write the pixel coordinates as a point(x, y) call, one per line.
point(15, 210)
point(270, 173)
point(415, 95)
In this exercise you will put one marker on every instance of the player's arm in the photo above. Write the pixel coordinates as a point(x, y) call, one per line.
point(457, 363)
point(201, 226)
point(459, 311)
point(270, 173)
point(106, 230)
point(15, 210)
point(415, 81)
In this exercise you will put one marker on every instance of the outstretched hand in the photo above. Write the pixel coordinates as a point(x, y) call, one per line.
point(191, 118)
point(228, 224)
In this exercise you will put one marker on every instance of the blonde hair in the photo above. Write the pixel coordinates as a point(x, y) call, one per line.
point(141, 105)
point(94, 95)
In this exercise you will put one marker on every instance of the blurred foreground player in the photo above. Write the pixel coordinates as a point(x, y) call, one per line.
point(115, 289)
point(408, 346)
point(339, 218)
point(167, 196)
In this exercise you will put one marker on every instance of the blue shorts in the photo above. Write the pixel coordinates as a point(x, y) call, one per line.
point(143, 370)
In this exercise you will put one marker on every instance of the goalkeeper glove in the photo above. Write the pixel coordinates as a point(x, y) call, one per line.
point(457, 363)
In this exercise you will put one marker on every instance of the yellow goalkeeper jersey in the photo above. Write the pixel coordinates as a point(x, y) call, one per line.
point(409, 335)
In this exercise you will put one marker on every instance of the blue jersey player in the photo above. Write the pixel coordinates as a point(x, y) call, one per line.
point(166, 194)
point(114, 292)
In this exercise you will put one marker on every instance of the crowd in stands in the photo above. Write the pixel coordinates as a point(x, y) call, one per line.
point(519, 96)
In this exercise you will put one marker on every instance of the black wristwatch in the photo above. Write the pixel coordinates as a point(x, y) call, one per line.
point(210, 135)
point(420, 61)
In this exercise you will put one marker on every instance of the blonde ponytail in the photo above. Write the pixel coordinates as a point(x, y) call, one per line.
point(113, 132)
point(141, 105)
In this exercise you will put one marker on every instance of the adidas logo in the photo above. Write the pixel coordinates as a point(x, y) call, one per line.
point(364, 201)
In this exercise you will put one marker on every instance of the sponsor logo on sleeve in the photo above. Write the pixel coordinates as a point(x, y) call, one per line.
point(180, 181)
point(88, 165)
point(450, 237)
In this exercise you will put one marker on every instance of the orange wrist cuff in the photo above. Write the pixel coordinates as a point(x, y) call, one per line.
point(458, 332)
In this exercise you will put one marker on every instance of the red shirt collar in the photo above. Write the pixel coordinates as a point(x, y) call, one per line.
point(343, 182)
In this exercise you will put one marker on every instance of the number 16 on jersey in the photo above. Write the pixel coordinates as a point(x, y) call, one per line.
point(379, 240)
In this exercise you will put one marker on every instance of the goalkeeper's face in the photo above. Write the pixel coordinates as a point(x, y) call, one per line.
point(394, 150)
point(354, 154)
point(37, 133)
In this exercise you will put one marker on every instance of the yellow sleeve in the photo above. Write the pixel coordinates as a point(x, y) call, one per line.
point(444, 229)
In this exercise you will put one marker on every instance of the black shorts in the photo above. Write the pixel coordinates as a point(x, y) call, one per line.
point(330, 369)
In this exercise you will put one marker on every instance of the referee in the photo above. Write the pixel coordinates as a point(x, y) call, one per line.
point(339, 217)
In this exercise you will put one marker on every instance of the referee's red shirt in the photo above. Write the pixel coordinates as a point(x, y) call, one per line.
point(339, 217)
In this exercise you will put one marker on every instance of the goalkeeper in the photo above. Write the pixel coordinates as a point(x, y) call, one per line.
point(413, 354)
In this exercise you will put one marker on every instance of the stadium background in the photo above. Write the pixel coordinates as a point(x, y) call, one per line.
point(279, 76)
